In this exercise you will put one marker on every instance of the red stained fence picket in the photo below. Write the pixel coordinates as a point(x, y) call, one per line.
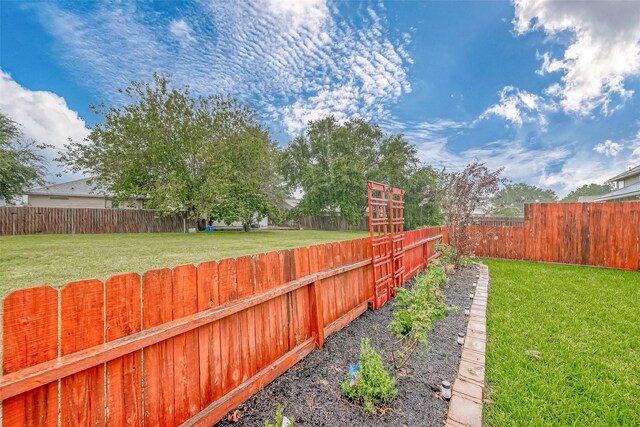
point(420, 248)
point(181, 346)
point(595, 234)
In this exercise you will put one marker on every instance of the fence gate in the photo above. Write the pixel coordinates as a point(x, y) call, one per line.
point(380, 243)
point(397, 237)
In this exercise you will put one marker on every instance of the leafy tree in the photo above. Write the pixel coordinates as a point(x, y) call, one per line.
point(252, 186)
point(462, 193)
point(332, 162)
point(587, 190)
point(510, 200)
point(419, 212)
point(21, 166)
point(206, 155)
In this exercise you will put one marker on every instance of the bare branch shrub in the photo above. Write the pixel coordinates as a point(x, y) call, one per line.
point(462, 193)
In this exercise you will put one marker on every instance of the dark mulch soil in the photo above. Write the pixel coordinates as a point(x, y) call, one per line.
point(311, 392)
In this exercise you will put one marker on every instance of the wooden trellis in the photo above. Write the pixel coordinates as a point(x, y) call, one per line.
point(386, 226)
point(396, 200)
point(381, 261)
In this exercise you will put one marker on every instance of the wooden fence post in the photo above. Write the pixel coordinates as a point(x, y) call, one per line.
point(425, 255)
point(316, 316)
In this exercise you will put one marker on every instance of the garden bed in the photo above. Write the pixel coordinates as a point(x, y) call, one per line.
point(310, 391)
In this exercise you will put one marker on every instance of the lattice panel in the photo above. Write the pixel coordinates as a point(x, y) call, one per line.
point(381, 260)
point(396, 208)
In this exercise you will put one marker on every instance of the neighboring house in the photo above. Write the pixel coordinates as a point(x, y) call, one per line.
point(74, 194)
point(290, 203)
point(626, 187)
point(587, 199)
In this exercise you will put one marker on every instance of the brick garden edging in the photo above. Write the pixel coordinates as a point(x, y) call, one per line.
point(467, 392)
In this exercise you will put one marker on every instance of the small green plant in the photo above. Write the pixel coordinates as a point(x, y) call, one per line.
point(372, 385)
point(279, 419)
point(416, 309)
point(451, 257)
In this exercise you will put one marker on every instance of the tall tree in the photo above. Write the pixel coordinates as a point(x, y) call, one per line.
point(418, 211)
point(588, 190)
point(462, 193)
point(182, 152)
point(253, 187)
point(21, 164)
point(332, 162)
point(511, 198)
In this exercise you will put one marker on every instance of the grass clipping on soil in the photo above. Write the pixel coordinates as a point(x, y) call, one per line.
point(374, 385)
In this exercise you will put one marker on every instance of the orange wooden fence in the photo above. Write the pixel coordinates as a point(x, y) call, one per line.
point(183, 345)
point(596, 234)
point(420, 248)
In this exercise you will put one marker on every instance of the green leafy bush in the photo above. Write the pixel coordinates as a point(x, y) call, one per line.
point(417, 308)
point(279, 419)
point(374, 385)
point(450, 256)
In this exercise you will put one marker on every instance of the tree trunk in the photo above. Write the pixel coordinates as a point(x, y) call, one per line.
point(247, 226)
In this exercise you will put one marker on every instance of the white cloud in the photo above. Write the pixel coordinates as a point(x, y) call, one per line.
point(43, 116)
point(182, 31)
point(635, 153)
point(580, 169)
point(583, 168)
point(608, 148)
point(604, 49)
point(431, 139)
point(310, 13)
point(296, 60)
point(339, 102)
point(520, 162)
point(559, 168)
point(576, 173)
point(107, 48)
point(518, 106)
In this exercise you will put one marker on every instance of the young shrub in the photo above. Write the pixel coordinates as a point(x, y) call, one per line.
point(416, 310)
point(451, 258)
point(280, 420)
point(460, 194)
point(372, 385)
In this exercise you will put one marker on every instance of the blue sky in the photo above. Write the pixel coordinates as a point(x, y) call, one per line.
point(547, 89)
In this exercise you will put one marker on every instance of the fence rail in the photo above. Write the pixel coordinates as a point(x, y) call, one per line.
point(183, 345)
point(595, 234)
point(34, 220)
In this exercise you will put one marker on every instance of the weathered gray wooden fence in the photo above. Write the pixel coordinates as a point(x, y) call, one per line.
point(500, 221)
point(324, 223)
point(34, 220)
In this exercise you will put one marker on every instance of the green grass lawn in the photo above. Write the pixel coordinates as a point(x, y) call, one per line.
point(27, 261)
point(585, 322)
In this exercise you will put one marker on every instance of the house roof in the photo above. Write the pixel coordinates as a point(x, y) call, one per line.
point(291, 203)
point(586, 199)
point(78, 187)
point(628, 191)
point(631, 172)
